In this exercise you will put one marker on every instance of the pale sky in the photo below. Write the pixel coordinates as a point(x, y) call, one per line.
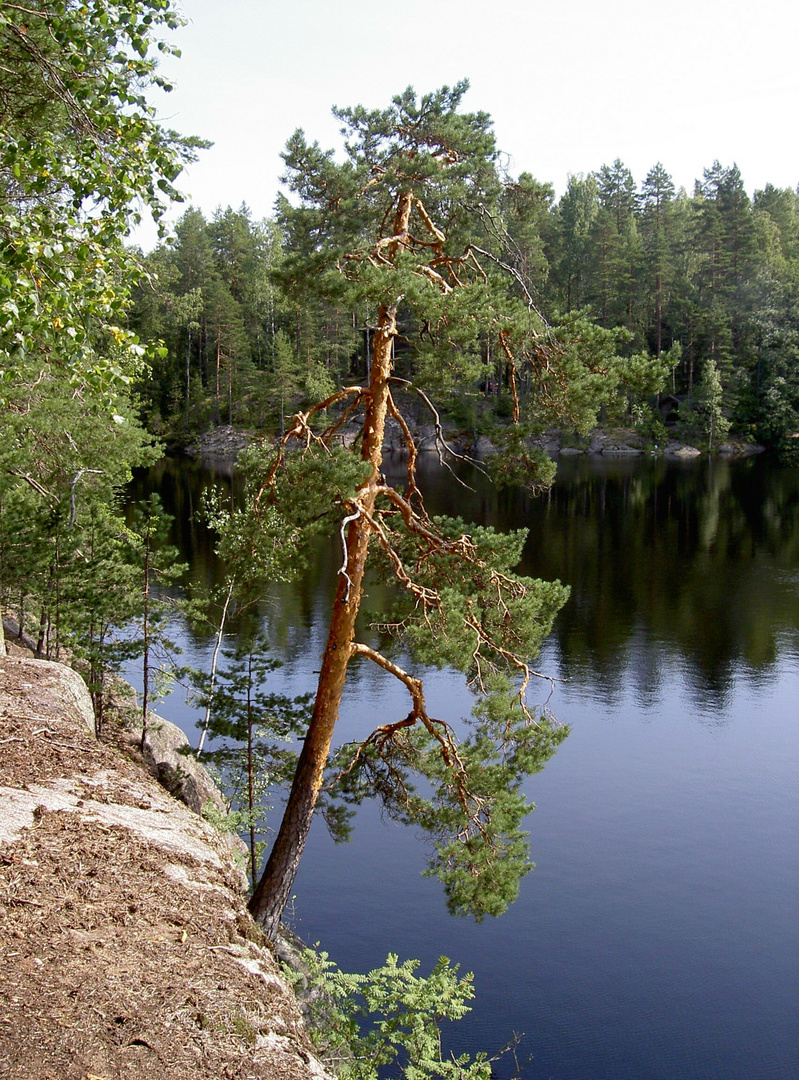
point(571, 85)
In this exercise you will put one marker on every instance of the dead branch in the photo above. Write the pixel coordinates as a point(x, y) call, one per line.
point(416, 242)
point(503, 340)
point(72, 486)
point(422, 526)
point(343, 568)
point(440, 238)
point(435, 277)
point(37, 487)
point(378, 172)
point(62, 746)
point(517, 277)
point(391, 242)
point(450, 262)
point(441, 442)
point(413, 453)
point(479, 268)
point(331, 430)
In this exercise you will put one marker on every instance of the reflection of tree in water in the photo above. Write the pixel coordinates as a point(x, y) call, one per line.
point(693, 558)
point(180, 482)
point(695, 564)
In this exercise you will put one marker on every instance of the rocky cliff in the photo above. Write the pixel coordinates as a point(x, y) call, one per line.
point(126, 947)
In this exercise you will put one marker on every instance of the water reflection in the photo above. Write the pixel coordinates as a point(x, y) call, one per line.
point(695, 565)
point(657, 937)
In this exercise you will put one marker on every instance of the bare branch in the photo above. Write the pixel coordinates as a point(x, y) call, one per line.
point(441, 442)
point(410, 443)
point(37, 487)
point(330, 431)
point(378, 172)
point(504, 237)
point(503, 340)
point(75, 478)
point(423, 526)
point(432, 227)
point(435, 277)
point(343, 568)
point(476, 263)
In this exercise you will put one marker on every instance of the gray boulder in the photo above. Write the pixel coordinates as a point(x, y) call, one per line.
point(181, 774)
point(23, 642)
point(47, 688)
point(484, 447)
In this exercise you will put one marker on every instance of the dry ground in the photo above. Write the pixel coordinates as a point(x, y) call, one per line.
point(125, 946)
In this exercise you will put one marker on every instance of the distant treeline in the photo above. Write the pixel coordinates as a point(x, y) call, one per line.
point(710, 279)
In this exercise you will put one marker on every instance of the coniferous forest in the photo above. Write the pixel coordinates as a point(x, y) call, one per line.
point(699, 289)
point(407, 281)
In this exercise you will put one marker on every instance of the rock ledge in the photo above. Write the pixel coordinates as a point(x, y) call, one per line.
point(126, 946)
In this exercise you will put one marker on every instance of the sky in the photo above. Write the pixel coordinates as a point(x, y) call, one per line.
point(570, 84)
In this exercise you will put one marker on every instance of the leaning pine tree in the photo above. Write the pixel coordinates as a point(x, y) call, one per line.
point(407, 228)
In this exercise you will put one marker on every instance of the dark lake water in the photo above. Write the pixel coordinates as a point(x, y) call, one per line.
point(658, 936)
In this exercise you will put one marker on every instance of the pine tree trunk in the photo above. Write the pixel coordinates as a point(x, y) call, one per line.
point(251, 768)
point(188, 374)
point(217, 406)
point(274, 889)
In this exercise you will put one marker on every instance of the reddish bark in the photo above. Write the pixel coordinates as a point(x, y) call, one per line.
point(274, 888)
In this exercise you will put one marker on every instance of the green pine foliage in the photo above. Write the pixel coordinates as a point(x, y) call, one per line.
point(257, 323)
point(469, 801)
point(155, 567)
point(251, 735)
point(99, 596)
point(387, 1019)
point(64, 461)
point(460, 600)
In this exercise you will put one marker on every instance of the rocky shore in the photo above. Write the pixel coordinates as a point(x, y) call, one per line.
point(126, 946)
point(225, 443)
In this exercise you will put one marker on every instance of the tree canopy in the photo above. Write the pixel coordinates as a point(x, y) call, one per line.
point(408, 228)
point(83, 156)
point(706, 277)
point(81, 146)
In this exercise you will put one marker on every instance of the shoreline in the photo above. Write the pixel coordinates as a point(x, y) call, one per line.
point(226, 442)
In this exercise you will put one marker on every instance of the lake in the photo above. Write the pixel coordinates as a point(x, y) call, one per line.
point(657, 938)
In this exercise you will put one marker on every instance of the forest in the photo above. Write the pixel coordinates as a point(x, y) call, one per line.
point(407, 280)
point(696, 289)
